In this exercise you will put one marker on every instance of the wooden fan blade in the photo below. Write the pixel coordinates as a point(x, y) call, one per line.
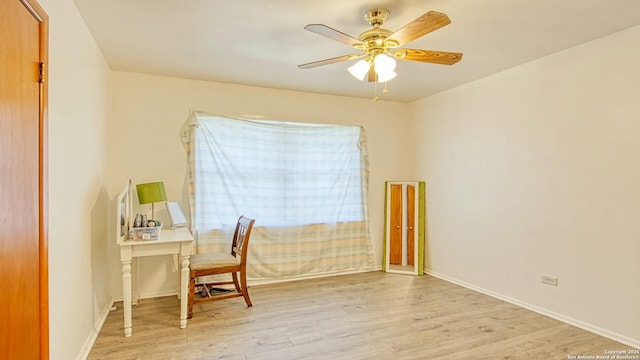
point(332, 34)
point(334, 60)
point(430, 56)
point(423, 25)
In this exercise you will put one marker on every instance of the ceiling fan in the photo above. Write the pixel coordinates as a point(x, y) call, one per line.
point(380, 47)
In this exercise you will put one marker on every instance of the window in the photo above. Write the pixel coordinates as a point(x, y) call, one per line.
point(303, 183)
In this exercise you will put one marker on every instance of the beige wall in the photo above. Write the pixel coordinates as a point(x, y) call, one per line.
point(536, 171)
point(79, 289)
point(149, 111)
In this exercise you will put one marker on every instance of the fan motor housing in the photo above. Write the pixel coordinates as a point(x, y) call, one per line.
point(376, 38)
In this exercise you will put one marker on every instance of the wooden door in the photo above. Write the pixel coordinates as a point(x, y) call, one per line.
point(402, 219)
point(23, 249)
point(404, 240)
point(396, 222)
point(411, 223)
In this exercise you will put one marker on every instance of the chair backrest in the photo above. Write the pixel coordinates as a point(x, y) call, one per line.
point(241, 237)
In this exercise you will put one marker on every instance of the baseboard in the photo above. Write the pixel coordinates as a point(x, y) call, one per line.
point(157, 294)
point(635, 343)
point(97, 326)
point(149, 295)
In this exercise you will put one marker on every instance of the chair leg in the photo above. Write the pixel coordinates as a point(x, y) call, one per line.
point(245, 288)
point(192, 288)
point(234, 275)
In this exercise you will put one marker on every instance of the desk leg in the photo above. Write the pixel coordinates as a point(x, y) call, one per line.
point(184, 290)
point(126, 296)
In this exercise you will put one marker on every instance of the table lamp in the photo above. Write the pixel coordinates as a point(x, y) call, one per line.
point(151, 193)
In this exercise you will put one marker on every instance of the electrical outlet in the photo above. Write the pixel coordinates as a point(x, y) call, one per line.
point(550, 280)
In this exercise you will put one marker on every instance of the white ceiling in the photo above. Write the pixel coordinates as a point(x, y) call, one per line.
point(261, 42)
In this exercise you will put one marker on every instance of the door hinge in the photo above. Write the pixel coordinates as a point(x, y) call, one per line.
point(41, 76)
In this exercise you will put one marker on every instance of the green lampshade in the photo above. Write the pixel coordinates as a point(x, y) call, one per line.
point(150, 193)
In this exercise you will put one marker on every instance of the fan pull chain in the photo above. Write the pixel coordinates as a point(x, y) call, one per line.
point(375, 90)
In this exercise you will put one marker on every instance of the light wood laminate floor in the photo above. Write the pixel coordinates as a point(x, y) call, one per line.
point(372, 315)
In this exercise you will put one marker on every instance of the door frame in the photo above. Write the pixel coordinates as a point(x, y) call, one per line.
point(419, 225)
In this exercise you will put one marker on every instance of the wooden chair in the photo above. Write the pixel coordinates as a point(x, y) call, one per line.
point(221, 263)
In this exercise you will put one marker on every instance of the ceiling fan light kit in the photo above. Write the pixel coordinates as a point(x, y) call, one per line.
point(378, 46)
point(384, 66)
point(360, 69)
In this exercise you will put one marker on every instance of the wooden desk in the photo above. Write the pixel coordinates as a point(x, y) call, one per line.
point(172, 241)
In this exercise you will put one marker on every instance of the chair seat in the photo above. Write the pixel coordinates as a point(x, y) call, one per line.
point(212, 260)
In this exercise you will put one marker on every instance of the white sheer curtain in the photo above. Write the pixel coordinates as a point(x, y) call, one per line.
point(305, 184)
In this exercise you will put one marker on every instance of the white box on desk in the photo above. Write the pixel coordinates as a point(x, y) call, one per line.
point(145, 233)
